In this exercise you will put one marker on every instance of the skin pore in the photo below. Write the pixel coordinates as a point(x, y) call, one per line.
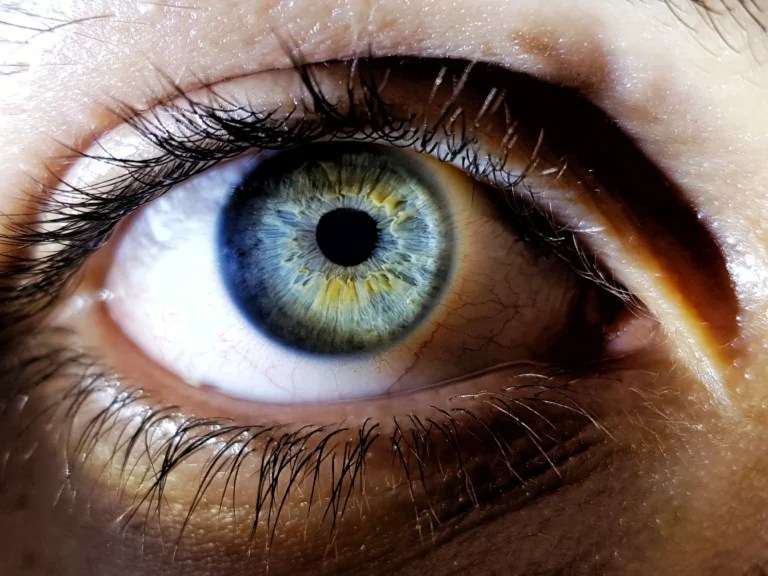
point(676, 487)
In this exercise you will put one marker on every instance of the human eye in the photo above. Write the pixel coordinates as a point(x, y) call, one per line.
point(371, 265)
point(342, 316)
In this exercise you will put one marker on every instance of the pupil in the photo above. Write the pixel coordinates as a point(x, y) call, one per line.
point(347, 237)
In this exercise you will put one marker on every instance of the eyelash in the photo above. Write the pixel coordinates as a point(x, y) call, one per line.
point(86, 217)
point(539, 447)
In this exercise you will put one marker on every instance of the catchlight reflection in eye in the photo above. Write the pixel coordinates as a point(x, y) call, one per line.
point(333, 272)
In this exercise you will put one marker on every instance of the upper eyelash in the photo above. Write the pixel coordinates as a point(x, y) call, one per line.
point(86, 216)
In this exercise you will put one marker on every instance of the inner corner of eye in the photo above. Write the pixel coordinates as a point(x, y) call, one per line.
point(329, 272)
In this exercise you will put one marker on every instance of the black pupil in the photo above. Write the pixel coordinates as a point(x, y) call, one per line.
point(347, 237)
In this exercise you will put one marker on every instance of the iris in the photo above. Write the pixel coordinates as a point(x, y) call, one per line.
point(336, 248)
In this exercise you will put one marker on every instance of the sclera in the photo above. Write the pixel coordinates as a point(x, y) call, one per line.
point(169, 299)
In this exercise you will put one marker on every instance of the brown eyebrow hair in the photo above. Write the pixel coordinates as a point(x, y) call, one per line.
point(751, 10)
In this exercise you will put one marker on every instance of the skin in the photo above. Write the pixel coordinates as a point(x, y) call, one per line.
point(681, 489)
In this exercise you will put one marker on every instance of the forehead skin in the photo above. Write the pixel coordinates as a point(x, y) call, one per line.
point(687, 80)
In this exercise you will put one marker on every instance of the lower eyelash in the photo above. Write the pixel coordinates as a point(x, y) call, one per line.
point(524, 433)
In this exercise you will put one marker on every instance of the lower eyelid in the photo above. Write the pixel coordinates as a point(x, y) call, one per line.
point(540, 432)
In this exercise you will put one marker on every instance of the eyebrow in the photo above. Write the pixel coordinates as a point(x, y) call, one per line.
point(749, 9)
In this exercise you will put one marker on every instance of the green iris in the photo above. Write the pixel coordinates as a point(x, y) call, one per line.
point(336, 248)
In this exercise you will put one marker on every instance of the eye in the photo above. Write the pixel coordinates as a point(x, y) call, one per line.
point(351, 245)
point(333, 272)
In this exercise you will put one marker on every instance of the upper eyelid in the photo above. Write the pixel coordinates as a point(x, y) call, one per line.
point(155, 93)
point(138, 182)
point(134, 117)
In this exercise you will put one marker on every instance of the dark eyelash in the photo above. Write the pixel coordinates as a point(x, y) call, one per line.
point(85, 217)
point(421, 447)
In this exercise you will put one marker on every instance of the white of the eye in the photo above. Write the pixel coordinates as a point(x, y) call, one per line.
point(169, 299)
